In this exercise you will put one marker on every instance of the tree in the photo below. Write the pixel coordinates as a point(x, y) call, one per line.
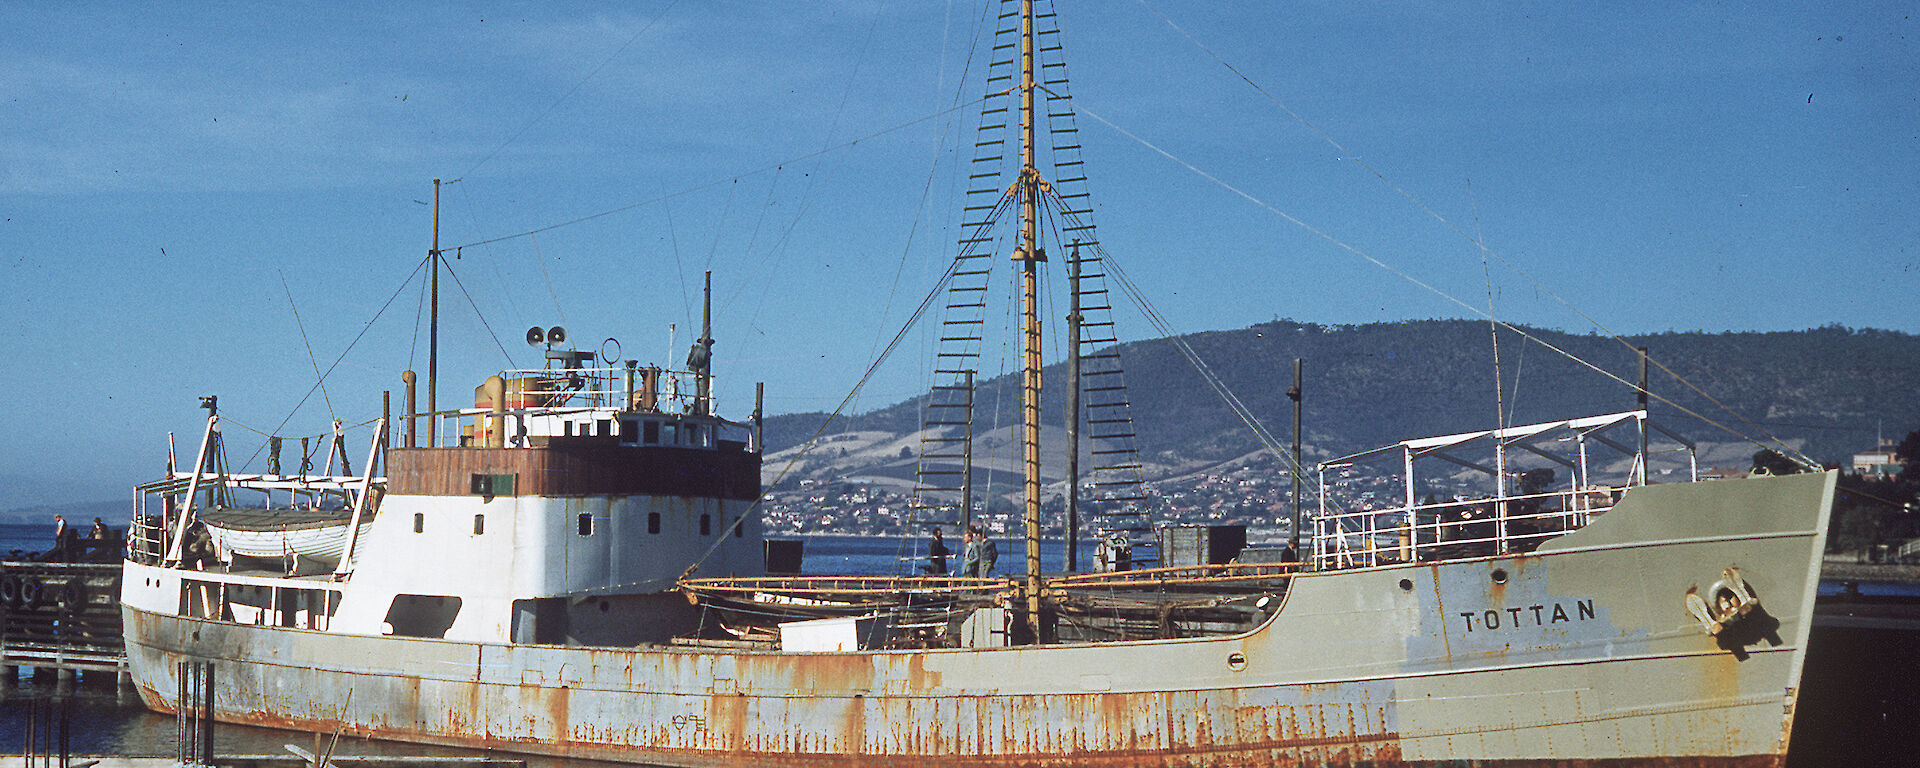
point(1767, 461)
point(1908, 454)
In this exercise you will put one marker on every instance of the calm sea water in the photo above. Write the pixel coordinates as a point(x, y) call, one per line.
point(1859, 694)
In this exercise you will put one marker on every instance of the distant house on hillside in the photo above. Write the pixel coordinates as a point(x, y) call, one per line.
point(1878, 462)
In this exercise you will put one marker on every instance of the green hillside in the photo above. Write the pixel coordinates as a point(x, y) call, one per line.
point(1369, 385)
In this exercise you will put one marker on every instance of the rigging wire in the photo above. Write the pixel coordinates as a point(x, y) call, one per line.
point(419, 312)
point(1788, 450)
point(227, 421)
point(814, 440)
point(752, 239)
point(542, 260)
point(570, 91)
point(319, 380)
point(476, 309)
point(1213, 380)
point(723, 180)
point(809, 195)
point(343, 355)
point(1500, 417)
point(1343, 245)
point(679, 269)
point(926, 189)
point(726, 209)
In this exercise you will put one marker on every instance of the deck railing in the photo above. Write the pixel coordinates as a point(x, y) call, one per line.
point(1587, 462)
point(1454, 528)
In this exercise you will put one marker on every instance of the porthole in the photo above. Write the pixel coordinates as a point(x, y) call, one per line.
point(1236, 661)
point(1406, 585)
point(1499, 575)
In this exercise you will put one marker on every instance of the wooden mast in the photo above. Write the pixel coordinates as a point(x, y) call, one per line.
point(1029, 255)
point(1073, 410)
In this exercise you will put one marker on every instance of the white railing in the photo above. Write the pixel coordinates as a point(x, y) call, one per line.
point(668, 391)
point(1588, 462)
point(1453, 529)
point(583, 395)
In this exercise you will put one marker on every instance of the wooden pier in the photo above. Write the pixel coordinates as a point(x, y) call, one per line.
point(61, 616)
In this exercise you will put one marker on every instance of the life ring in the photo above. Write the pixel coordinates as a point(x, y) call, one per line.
point(10, 591)
point(32, 592)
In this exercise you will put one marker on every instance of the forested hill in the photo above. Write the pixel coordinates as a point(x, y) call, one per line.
point(1369, 385)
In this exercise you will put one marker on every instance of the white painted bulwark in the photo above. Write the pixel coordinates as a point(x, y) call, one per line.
point(850, 633)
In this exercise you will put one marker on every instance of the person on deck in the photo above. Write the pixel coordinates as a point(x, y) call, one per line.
point(99, 544)
point(61, 535)
point(988, 553)
point(936, 554)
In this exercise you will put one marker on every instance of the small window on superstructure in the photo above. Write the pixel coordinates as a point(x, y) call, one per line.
point(586, 524)
point(606, 428)
point(650, 433)
point(566, 429)
point(479, 524)
point(419, 522)
point(653, 522)
point(740, 528)
point(628, 434)
point(672, 436)
point(706, 524)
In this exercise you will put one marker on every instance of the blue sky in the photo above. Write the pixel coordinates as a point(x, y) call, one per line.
point(172, 173)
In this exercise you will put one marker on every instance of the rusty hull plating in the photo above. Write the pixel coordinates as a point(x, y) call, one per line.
point(1579, 654)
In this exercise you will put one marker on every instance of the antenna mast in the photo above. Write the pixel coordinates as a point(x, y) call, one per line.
point(433, 330)
point(700, 358)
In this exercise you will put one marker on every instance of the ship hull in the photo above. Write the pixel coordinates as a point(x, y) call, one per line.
point(1582, 653)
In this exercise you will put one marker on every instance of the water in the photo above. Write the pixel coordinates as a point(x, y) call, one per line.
point(873, 555)
point(18, 541)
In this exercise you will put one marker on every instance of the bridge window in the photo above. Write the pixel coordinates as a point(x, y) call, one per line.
point(492, 485)
point(650, 433)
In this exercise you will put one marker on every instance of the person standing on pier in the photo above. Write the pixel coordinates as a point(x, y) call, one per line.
point(63, 540)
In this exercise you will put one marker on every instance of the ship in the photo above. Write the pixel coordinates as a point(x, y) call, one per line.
point(573, 567)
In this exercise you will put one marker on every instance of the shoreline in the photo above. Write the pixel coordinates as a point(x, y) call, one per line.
point(1832, 570)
